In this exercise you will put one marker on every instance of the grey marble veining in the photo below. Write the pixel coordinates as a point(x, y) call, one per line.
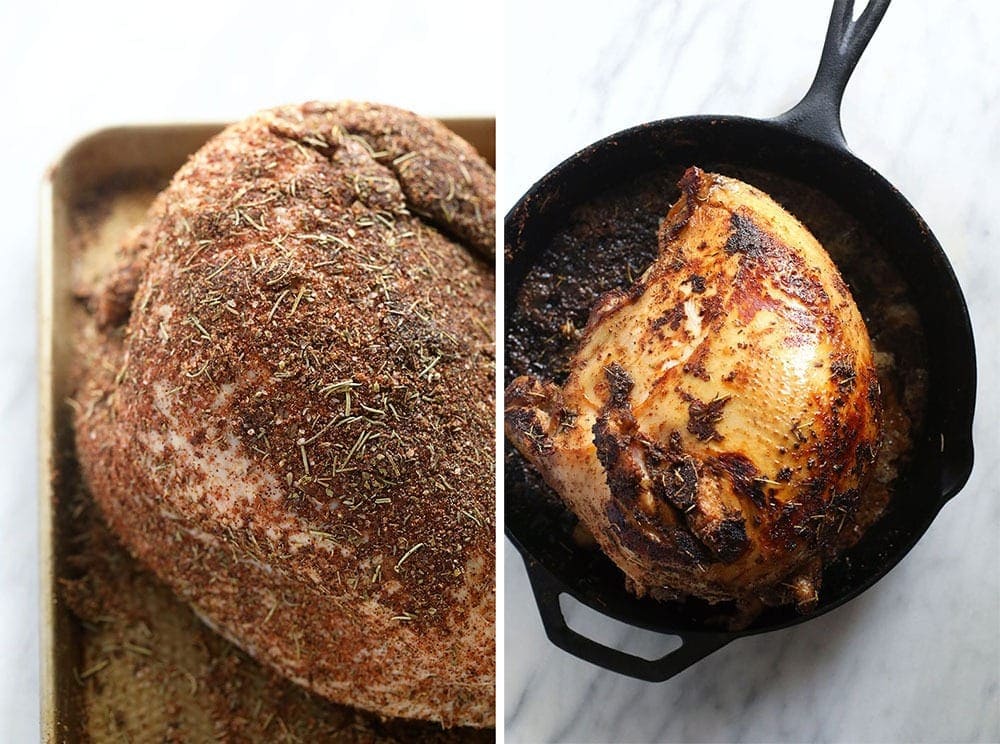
point(917, 657)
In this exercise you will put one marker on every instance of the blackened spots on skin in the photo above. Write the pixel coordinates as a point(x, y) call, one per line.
point(784, 475)
point(689, 184)
point(702, 418)
point(690, 181)
point(687, 474)
point(689, 546)
point(622, 473)
point(675, 442)
point(522, 419)
point(711, 308)
point(811, 492)
point(783, 530)
point(636, 291)
point(671, 317)
point(677, 484)
point(661, 456)
point(729, 540)
point(517, 390)
point(613, 432)
point(623, 483)
point(843, 372)
point(634, 539)
point(801, 283)
point(747, 238)
point(794, 526)
point(864, 455)
point(697, 283)
point(846, 502)
point(567, 418)
point(742, 473)
point(619, 383)
point(873, 391)
point(789, 272)
point(526, 422)
point(607, 444)
point(695, 366)
point(842, 505)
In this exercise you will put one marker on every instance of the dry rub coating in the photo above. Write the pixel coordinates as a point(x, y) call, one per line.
point(721, 416)
point(290, 416)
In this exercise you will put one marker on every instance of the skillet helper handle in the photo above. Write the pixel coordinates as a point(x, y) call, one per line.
point(817, 115)
point(694, 646)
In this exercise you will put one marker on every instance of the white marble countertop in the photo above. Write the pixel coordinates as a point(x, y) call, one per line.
point(70, 67)
point(917, 657)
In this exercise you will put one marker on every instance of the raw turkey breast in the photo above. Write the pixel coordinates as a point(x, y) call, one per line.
point(290, 419)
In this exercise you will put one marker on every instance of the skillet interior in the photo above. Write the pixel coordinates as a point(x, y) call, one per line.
point(770, 157)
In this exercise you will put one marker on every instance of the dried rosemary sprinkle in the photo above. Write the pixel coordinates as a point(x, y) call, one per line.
point(298, 299)
point(270, 612)
point(341, 386)
point(137, 649)
point(408, 553)
point(326, 535)
point(474, 519)
point(199, 373)
point(305, 458)
point(201, 329)
point(221, 268)
point(404, 158)
point(95, 668)
point(277, 302)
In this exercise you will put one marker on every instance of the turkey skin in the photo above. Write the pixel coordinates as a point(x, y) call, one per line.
point(288, 410)
point(720, 416)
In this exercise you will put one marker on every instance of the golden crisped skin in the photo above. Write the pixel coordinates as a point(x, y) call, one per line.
point(292, 422)
point(721, 415)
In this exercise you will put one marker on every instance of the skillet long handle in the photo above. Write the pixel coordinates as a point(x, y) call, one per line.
point(694, 646)
point(817, 115)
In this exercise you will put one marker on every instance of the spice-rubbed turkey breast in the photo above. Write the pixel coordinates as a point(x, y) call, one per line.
point(720, 416)
point(290, 418)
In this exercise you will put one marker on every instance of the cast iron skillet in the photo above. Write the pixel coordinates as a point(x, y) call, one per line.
point(805, 144)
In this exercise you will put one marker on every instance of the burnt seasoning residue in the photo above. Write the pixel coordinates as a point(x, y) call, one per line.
point(702, 418)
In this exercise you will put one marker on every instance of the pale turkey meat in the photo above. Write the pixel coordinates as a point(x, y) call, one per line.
point(721, 416)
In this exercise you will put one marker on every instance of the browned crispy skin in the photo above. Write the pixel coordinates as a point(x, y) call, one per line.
point(292, 422)
point(721, 415)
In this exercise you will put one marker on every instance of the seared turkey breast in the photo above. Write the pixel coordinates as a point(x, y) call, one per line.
point(290, 417)
point(721, 416)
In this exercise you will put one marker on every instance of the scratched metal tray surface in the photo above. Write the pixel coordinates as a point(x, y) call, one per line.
point(122, 659)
